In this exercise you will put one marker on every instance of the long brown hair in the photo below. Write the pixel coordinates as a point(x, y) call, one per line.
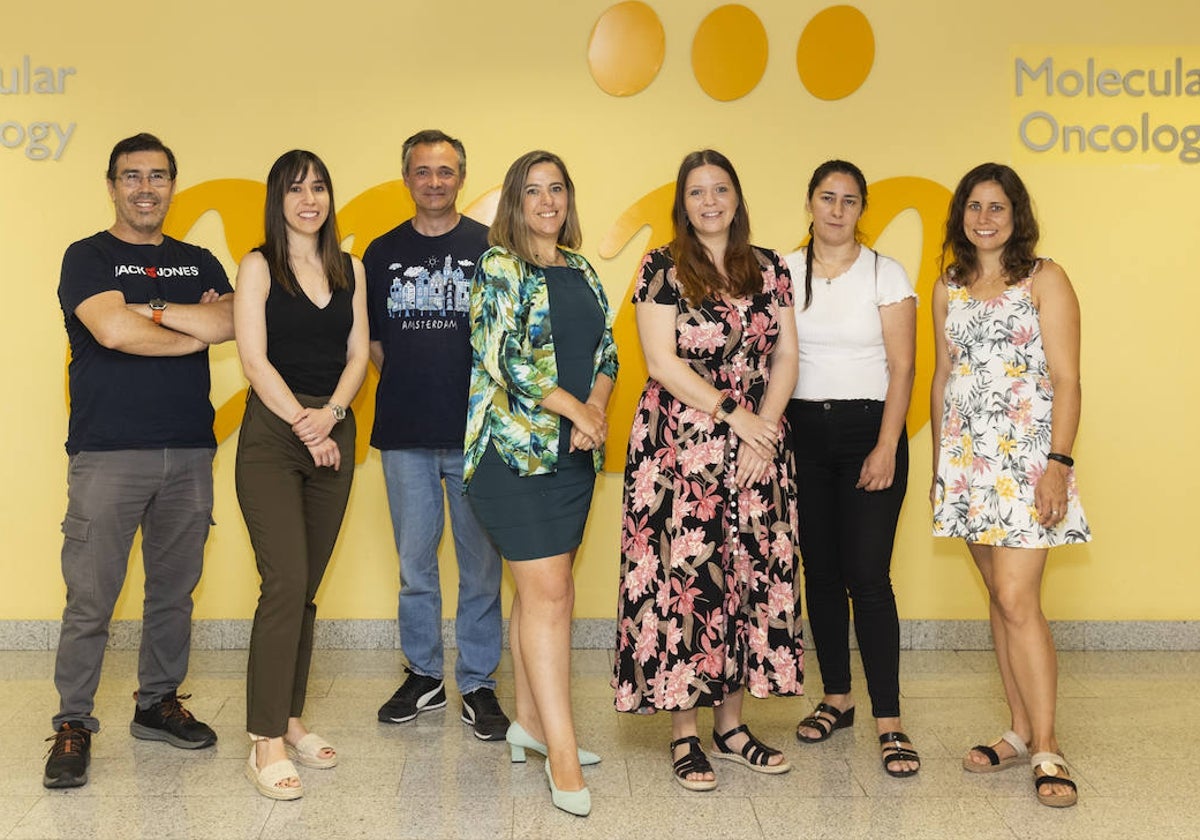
point(960, 260)
point(694, 267)
point(291, 167)
point(509, 230)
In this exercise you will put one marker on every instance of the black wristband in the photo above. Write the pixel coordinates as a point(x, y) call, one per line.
point(1065, 460)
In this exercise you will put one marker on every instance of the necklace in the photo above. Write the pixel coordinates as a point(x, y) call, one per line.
point(988, 288)
point(834, 270)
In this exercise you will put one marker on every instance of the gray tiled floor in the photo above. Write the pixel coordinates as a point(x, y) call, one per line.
point(1128, 722)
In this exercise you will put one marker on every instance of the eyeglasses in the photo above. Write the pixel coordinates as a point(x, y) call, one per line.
point(135, 179)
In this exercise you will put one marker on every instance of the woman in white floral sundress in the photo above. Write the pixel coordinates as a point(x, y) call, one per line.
point(1006, 400)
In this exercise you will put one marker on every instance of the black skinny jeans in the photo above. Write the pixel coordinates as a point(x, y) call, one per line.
point(846, 538)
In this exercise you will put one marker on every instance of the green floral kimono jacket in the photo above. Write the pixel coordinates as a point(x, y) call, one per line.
point(513, 364)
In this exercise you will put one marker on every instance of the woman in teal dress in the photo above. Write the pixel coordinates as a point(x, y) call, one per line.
point(543, 369)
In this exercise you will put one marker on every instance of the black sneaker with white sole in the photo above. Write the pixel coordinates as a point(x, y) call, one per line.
point(482, 712)
point(418, 694)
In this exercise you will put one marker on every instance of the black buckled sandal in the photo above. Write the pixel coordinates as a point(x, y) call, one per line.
point(754, 753)
point(834, 719)
point(893, 753)
point(693, 761)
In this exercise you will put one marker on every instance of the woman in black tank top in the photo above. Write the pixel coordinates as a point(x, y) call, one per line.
point(301, 326)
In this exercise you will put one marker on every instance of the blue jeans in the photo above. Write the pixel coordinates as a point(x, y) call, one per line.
point(414, 485)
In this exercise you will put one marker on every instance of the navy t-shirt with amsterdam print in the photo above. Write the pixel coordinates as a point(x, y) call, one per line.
point(418, 307)
point(125, 401)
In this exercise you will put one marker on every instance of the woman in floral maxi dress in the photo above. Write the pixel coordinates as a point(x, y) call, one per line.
point(708, 596)
point(1005, 405)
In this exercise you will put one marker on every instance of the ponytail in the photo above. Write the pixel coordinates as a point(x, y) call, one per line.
point(808, 259)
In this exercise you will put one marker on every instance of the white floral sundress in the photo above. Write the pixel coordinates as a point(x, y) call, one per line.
point(995, 431)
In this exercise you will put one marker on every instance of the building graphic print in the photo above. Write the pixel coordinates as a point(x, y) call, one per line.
point(416, 290)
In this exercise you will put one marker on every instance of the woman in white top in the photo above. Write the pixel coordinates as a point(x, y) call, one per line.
point(857, 327)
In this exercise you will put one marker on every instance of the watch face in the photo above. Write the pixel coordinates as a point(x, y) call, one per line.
point(158, 303)
point(729, 405)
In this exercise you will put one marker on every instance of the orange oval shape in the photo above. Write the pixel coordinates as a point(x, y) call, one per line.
point(836, 52)
point(729, 52)
point(626, 48)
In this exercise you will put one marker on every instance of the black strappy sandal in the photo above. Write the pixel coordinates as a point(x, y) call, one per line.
point(835, 719)
point(893, 752)
point(694, 761)
point(754, 753)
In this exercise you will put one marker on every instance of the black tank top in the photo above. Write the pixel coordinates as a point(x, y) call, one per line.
point(305, 343)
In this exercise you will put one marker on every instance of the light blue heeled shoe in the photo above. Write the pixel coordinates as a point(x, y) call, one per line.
point(577, 802)
point(519, 740)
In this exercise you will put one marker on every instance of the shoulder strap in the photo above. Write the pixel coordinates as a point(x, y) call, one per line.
point(1027, 282)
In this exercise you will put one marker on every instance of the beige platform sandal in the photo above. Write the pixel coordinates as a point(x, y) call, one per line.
point(266, 781)
point(307, 751)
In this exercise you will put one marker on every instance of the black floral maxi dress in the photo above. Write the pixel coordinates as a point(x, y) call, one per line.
point(708, 596)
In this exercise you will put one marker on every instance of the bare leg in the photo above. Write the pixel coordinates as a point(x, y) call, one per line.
point(527, 714)
point(1016, 592)
point(547, 593)
point(985, 558)
point(684, 724)
point(1014, 582)
point(728, 716)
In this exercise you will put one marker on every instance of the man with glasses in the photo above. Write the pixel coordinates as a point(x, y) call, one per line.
point(141, 310)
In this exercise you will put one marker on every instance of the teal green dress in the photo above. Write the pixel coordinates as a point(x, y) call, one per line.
point(529, 517)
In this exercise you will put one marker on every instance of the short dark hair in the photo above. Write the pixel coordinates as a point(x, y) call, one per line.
point(140, 143)
point(428, 137)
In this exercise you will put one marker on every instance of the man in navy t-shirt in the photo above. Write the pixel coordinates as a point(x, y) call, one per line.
point(418, 305)
point(140, 309)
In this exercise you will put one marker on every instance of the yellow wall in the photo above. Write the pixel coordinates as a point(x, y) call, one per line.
point(231, 85)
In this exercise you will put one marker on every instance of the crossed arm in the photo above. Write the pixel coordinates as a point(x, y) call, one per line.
point(186, 327)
